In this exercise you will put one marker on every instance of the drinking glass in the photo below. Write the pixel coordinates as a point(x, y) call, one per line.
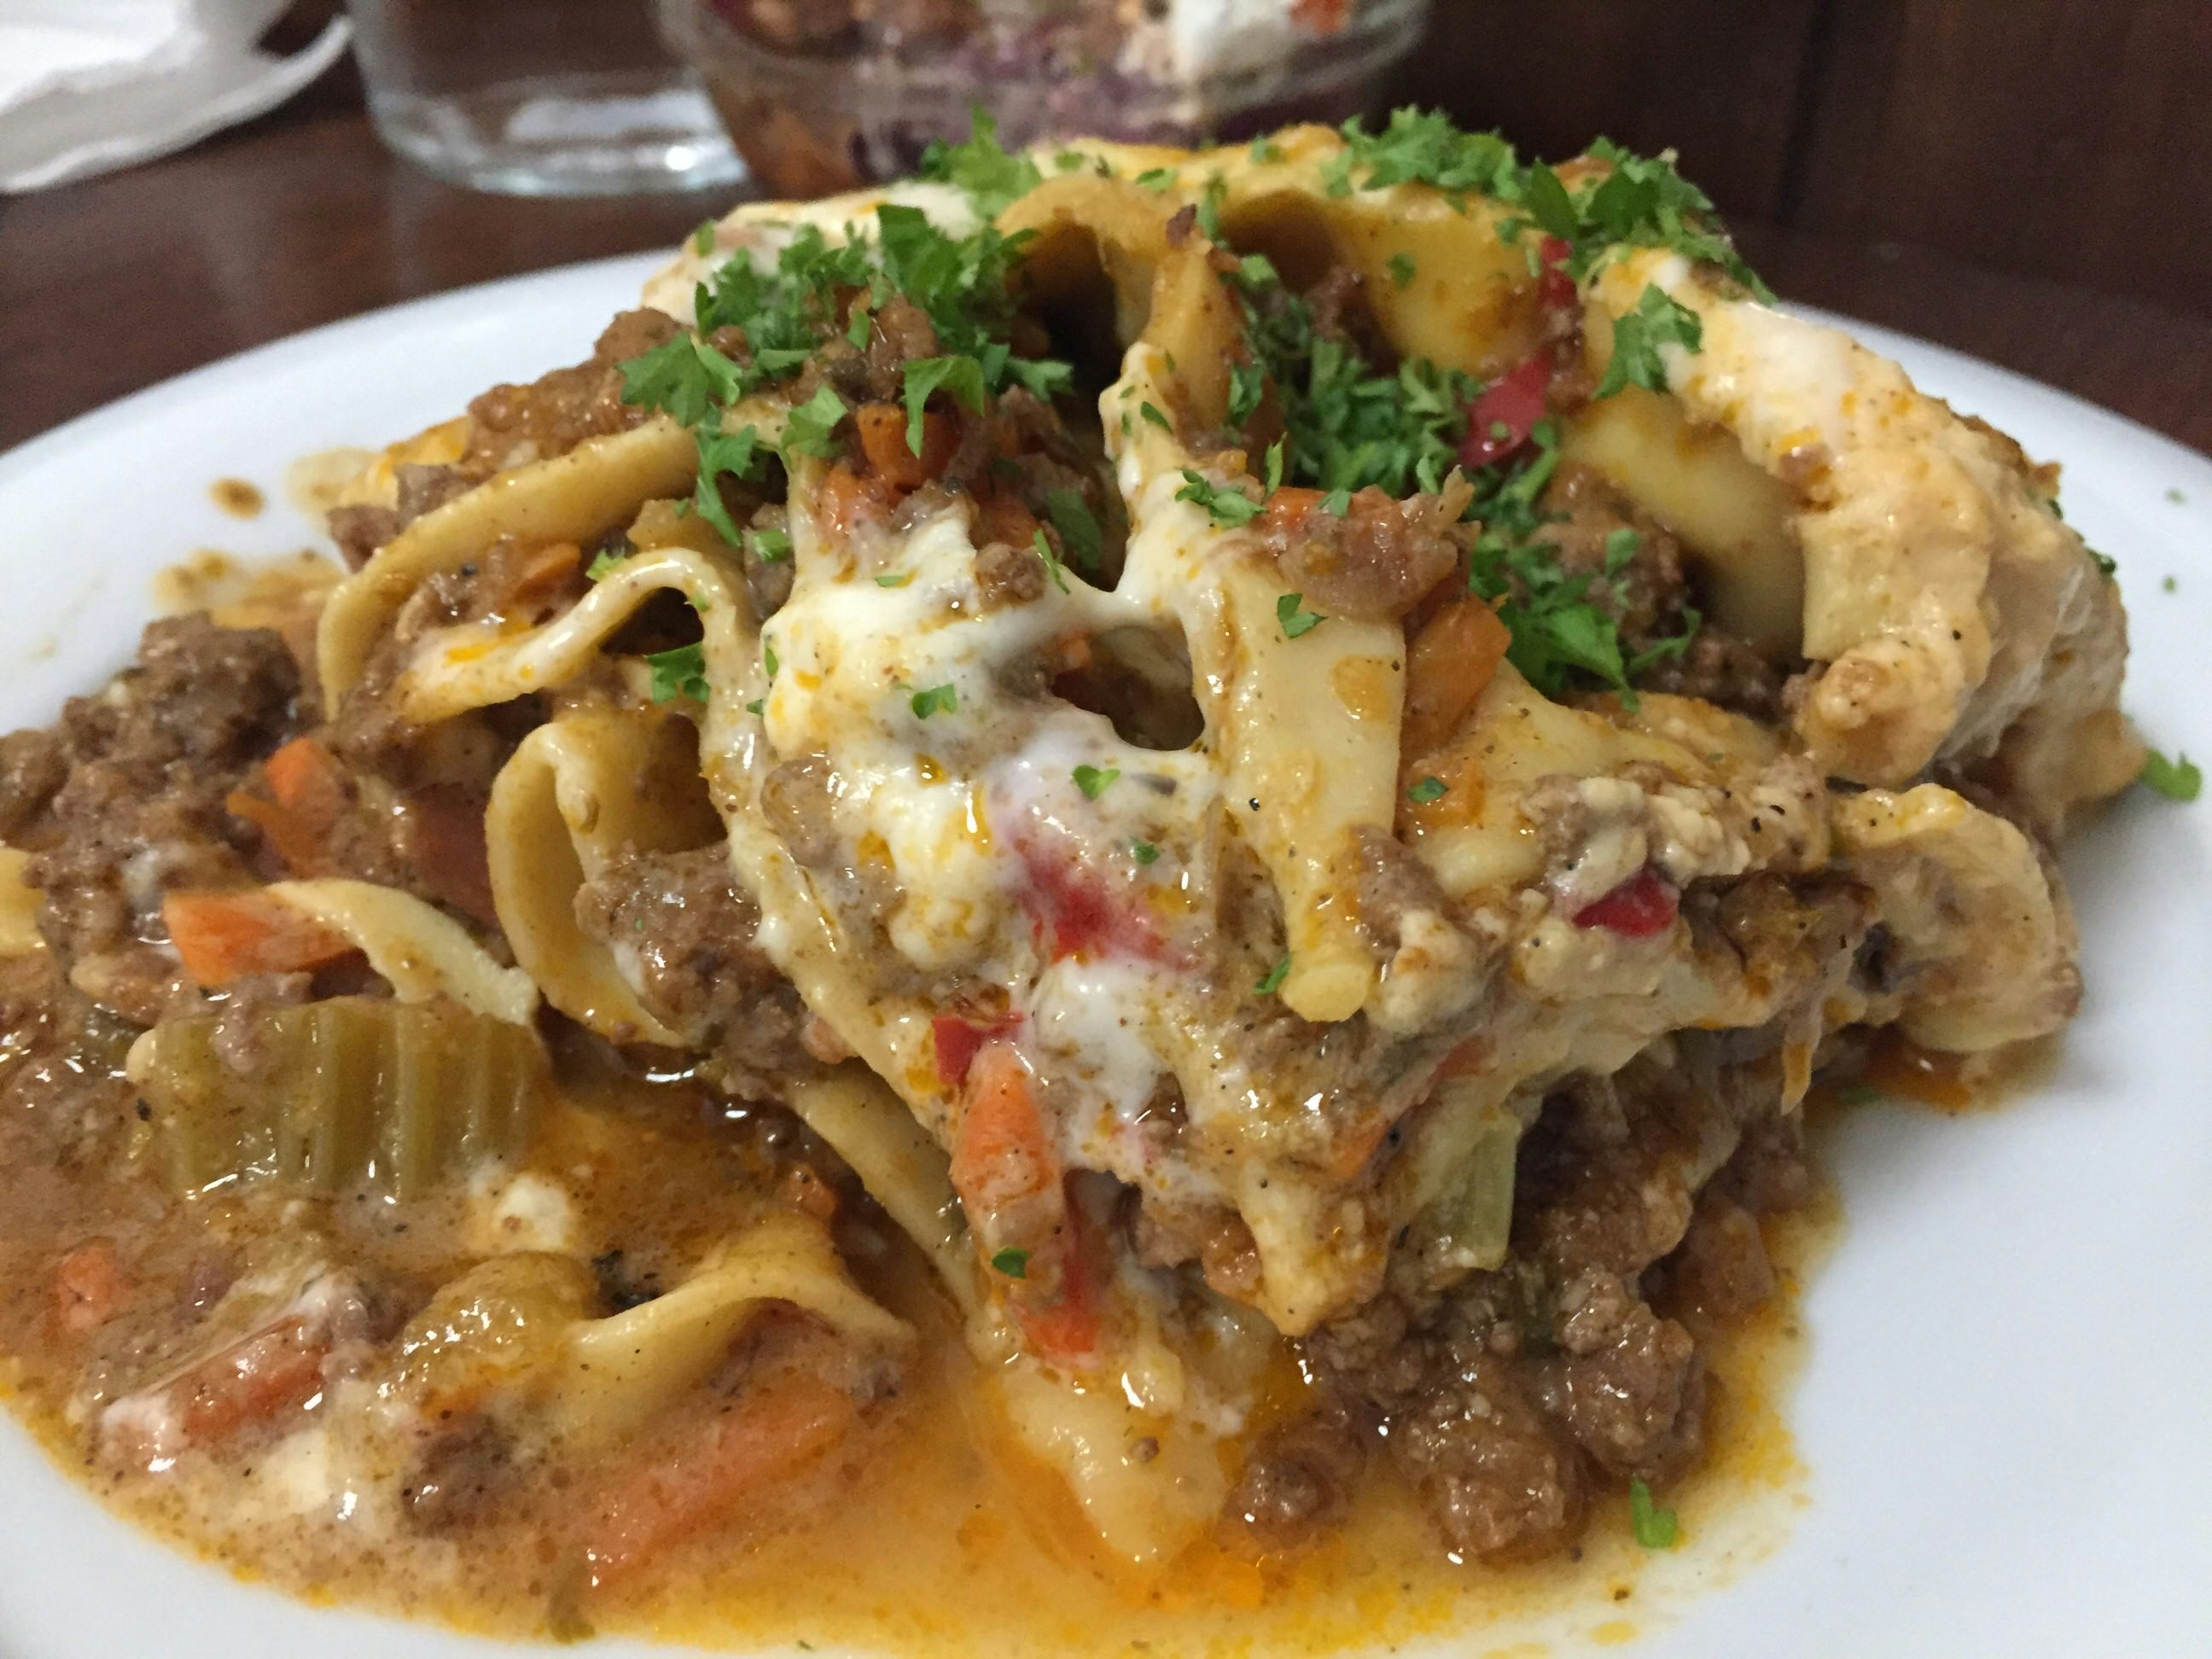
point(539, 97)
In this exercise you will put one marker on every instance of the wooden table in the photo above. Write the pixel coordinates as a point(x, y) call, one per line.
point(301, 218)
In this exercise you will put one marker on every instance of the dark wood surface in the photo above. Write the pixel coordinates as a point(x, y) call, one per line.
point(301, 218)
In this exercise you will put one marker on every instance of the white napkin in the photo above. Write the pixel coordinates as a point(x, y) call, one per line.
point(87, 86)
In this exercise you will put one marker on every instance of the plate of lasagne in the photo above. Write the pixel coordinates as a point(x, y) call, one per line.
point(1129, 900)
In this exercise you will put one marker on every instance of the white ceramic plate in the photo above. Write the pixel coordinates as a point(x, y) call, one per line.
point(2005, 1419)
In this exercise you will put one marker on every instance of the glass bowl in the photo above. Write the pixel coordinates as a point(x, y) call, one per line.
point(823, 95)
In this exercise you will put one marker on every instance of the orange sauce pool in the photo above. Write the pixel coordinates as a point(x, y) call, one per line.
point(949, 1543)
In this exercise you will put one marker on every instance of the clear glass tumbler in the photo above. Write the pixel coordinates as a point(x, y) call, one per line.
point(539, 97)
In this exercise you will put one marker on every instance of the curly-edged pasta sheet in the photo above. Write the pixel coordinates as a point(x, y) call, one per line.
point(612, 1375)
point(903, 1169)
point(1932, 857)
point(576, 497)
point(419, 950)
point(579, 793)
point(476, 666)
point(1941, 591)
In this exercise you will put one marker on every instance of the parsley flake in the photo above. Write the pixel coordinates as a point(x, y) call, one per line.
point(1052, 567)
point(991, 176)
point(722, 454)
point(1657, 320)
point(769, 545)
point(1013, 1263)
point(1654, 1525)
point(1226, 505)
point(809, 427)
point(607, 561)
point(768, 657)
point(893, 579)
point(1156, 179)
point(1403, 269)
point(1296, 623)
point(1096, 781)
point(1275, 975)
point(1079, 532)
point(1154, 416)
point(959, 378)
point(702, 238)
point(1143, 852)
point(1266, 151)
point(680, 672)
point(2178, 780)
point(1427, 791)
point(934, 700)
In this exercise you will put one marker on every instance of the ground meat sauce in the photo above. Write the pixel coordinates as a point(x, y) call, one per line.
point(1510, 1406)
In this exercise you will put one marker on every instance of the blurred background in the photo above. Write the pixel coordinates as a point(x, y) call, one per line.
point(2025, 180)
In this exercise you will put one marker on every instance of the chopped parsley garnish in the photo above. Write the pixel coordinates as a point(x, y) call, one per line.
point(959, 378)
point(769, 545)
point(1402, 268)
point(1422, 146)
point(1013, 1263)
point(810, 429)
point(680, 672)
point(1266, 151)
point(1556, 631)
point(2106, 563)
point(1273, 980)
point(992, 176)
point(1336, 503)
point(1080, 533)
point(1052, 567)
point(1657, 320)
point(2179, 779)
point(1226, 505)
point(722, 454)
point(893, 579)
point(1156, 179)
point(1275, 465)
point(768, 658)
point(607, 561)
point(1428, 790)
point(702, 238)
point(1654, 1525)
point(1096, 781)
point(1348, 427)
point(1154, 416)
point(1620, 548)
point(934, 700)
point(1296, 623)
point(755, 707)
point(1143, 852)
point(1632, 201)
point(685, 376)
point(1209, 209)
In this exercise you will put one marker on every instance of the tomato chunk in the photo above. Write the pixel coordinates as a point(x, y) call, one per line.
point(1640, 907)
point(958, 1039)
point(1500, 420)
point(88, 1287)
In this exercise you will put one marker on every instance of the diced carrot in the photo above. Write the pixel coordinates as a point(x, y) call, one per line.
point(1011, 1185)
point(1451, 663)
point(88, 1287)
point(529, 577)
point(883, 431)
point(1000, 517)
point(849, 500)
point(222, 936)
point(1001, 1155)
point(769, 1436)
point(311, 795)
point(250, 1381)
